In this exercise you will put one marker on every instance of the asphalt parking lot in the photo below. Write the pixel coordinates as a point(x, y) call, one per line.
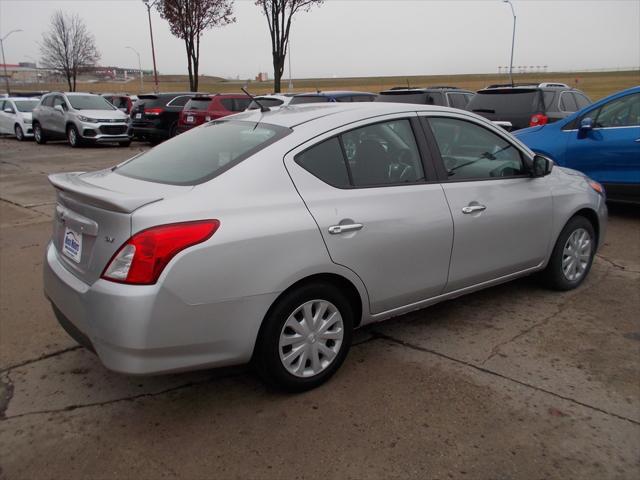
point(514, 382)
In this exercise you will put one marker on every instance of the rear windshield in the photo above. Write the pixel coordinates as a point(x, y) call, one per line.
point(25, 105)
point(202, 153)
point(198, 104)
point(266, 102)
point(505, 102)
point(308, 99)
point(89, 102)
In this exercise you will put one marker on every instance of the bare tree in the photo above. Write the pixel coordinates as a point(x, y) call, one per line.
point(279, 14)
point(188, 19)
point(68, 47)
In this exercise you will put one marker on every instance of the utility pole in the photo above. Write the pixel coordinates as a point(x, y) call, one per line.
point(139, 68)
point(153, 51)
point(513, 40)
point(4, 62)
point(289, 54)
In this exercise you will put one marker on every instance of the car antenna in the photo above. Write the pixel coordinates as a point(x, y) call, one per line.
point(262, 107)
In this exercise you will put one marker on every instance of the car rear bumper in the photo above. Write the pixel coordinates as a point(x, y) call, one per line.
point(149, 132)
point(146, 329)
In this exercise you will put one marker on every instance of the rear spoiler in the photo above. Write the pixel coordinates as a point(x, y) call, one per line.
point(71, 184)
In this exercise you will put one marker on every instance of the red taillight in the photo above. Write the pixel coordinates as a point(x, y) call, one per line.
point(153, 111)
point(538, 119)
point(144, 256)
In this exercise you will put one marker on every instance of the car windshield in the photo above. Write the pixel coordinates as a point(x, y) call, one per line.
point(89, 102)
point(25, 105)
point(308, 99)
point(202, 153)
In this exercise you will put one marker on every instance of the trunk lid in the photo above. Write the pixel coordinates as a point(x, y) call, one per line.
point(92, 217)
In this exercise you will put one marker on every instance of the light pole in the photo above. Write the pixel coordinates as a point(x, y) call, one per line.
point(513, 40)
point(4, 62)
point(139, 68)
point(150, 5)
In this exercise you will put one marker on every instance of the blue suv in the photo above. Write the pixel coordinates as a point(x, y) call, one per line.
point(601, 140)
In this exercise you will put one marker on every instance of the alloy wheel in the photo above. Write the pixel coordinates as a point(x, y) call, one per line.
point(576, 255)
point(19, 133)
point(311, 338)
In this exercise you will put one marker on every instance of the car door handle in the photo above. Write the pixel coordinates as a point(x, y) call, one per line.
point(473, 208)
point(337, 229)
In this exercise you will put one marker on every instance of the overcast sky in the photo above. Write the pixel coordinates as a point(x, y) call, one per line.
point(358, 37)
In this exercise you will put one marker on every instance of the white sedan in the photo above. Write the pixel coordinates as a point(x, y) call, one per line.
point(15, 116)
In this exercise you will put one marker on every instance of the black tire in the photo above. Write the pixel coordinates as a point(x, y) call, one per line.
point(173, 131)
point(38, 134)
point(553, 276)
point(19, 133)
point(73, 137)
point(126, 143)
point(266, 357)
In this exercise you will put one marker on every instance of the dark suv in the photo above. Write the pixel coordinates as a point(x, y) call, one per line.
point(438, 95)
point(154, 116)
point(528, 105)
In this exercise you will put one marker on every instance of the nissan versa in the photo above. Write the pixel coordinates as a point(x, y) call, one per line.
point(270, 236)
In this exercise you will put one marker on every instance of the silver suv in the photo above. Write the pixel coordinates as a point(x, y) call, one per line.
point(81, 118)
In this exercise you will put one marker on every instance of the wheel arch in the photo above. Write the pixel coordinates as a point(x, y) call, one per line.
point(344, 284)
point(592, 216)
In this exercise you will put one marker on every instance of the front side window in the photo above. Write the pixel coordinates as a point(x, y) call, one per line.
point(623, 112)
point(202, 153)
point(581, 100)
point(381, 154)
point(58, 100)
point(88, 102)
point(470, 151)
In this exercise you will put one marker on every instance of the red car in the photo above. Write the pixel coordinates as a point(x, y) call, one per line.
point(204, 108)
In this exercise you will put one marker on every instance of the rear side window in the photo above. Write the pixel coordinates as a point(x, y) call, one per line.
point(505, 102)
point(308, 99)
point(235, 104)
point(581, 100)
point(326, 162)
point(202, 153)
point(380, 154)
point(266, 102)
point(198, 104)
point(458, 100)
point(567, 102)
point(471, 152)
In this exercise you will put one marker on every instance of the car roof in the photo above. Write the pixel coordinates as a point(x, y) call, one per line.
point(409, 90)
point(20, 98)
point(291, 116)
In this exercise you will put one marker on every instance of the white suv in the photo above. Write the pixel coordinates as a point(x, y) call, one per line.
point(81, 118)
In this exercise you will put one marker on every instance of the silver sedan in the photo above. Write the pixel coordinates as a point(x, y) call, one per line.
point(269, 236)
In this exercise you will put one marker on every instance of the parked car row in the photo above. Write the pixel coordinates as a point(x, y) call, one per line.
point(602, 140)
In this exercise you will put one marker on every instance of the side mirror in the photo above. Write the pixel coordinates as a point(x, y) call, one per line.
point(59, 108)
point(8, 110)
point(541, 166)
point(586, 124)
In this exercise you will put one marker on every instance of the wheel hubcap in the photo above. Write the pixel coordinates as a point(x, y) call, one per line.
point(311, 338)
point(72, 136)
point(37, 133)
point(18, 133)
point(576, 255)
